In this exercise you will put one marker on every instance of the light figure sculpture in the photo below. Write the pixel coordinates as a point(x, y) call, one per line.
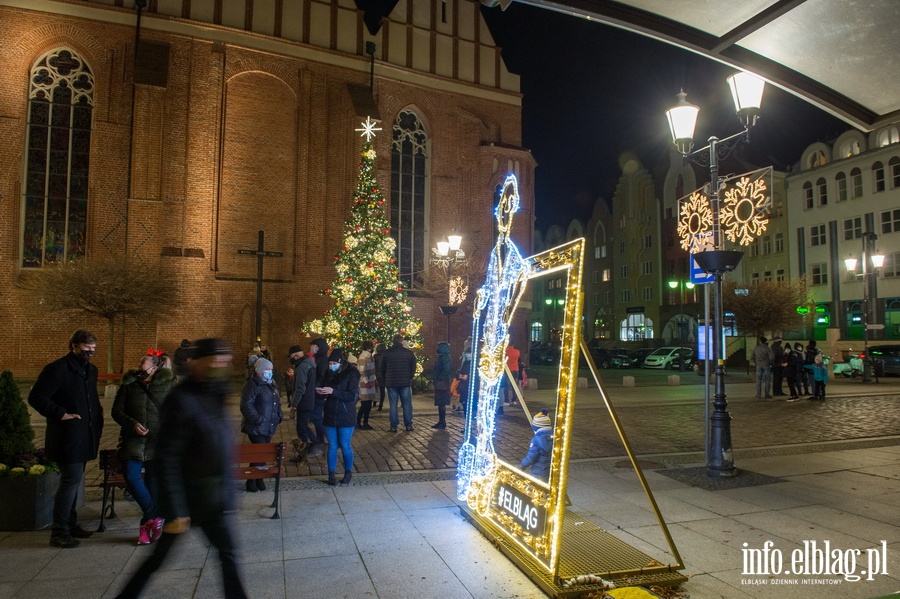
point(525, 516)
point(527, 511)
point(495, 304)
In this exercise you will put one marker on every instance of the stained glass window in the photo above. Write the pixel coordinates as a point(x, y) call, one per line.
point(60, 103)
point(409, 164)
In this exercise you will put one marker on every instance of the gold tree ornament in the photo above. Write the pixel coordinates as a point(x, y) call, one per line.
point(695, 221)
point(745, 210)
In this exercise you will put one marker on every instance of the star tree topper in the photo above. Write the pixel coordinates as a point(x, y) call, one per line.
point(368, 128)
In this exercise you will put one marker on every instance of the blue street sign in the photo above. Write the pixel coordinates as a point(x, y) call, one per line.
point(699, 277)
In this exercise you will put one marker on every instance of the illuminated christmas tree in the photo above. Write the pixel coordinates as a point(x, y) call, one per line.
point(370, 303)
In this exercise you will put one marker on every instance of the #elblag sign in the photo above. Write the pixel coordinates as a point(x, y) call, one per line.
point(510, 501)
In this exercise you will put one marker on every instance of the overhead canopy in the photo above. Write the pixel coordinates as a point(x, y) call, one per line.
point(841, 55)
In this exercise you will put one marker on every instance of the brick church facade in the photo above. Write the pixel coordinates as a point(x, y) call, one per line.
point(235, 117)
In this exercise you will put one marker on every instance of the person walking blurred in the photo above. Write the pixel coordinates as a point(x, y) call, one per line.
point(194, 462)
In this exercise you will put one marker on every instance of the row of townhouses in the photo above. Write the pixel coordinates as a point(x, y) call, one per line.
point(839, 198)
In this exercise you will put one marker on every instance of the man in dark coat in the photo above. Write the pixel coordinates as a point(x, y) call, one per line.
point(318, 349)
point(777, 368)
point(66, 395)
point(194, 462)
point(398, 367)
point(303, 399)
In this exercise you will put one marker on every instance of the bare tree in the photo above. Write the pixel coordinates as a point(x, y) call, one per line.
point(767, 306)
point(107, 286)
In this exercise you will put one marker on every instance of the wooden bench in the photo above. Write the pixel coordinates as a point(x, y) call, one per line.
point(113, 478)
point(269, 454)
point(266, 454)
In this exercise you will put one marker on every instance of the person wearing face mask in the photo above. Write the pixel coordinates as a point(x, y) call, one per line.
point(194, 463)
point(65, 393)
point(318, 349)
point(261, 411)
point(136, 410)
point(341, 392)
point(302, 400)
point(295, 356)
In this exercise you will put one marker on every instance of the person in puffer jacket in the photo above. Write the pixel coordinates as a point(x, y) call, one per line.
point(538, 456)
point(261, 409)
point(136, 409)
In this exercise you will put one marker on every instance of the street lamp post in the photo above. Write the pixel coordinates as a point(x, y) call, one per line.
point(681, 285)
point(446, 254)
point(877, 260)
point(747, 94)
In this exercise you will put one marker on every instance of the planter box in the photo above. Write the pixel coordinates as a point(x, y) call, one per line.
point(26, 502)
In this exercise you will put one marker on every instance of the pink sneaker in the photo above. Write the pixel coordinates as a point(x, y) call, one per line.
point(155, 528)
point(144, 533)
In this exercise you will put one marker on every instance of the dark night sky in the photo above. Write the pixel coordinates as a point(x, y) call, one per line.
point(592, 92)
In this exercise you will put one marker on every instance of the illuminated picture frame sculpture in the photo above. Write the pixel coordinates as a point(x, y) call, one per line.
point(528, 515)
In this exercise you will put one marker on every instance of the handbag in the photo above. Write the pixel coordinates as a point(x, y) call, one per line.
point(441, 385)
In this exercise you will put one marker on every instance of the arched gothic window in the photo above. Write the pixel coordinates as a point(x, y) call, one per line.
point(409, 169)
point(60, 103)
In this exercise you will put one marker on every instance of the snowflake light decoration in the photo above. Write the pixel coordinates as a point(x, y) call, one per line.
point(459, 290)
point(695, 221)
point(368, 129)
point(744, 215)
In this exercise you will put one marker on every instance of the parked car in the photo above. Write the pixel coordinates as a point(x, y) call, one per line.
point(888, 355)
point(665, 356)
point(639, 355)
point(609, 357)
point(622, 359)
point(544, 353)
point(688, 362)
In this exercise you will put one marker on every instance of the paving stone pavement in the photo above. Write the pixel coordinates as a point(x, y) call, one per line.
point(657, 419)
point(810, 472)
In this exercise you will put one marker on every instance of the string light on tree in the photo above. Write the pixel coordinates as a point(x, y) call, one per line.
point(370, 303)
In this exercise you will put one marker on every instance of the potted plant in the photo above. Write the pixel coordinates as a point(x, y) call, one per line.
point(28, 481)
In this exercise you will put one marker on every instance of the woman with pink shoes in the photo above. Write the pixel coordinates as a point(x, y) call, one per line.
point(136, 410)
